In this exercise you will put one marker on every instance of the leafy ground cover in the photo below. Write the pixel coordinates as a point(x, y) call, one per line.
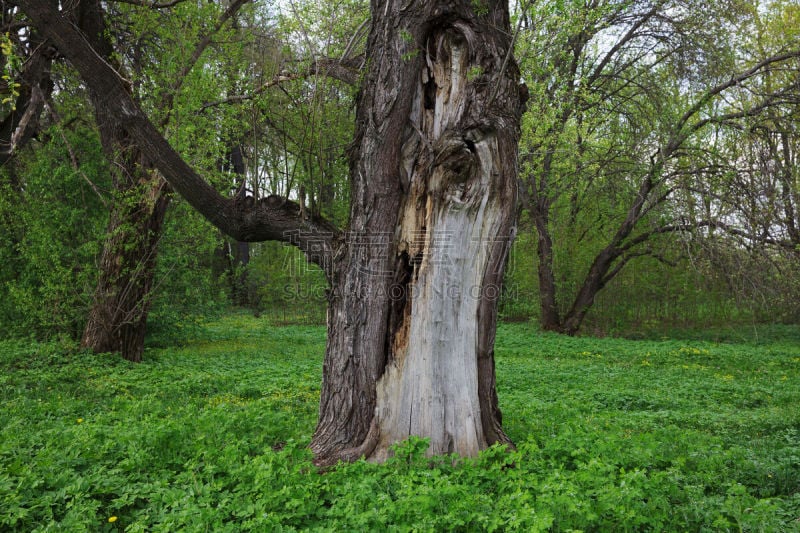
point(209, 434)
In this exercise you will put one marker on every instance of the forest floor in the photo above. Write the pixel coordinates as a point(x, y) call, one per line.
point(209, 433)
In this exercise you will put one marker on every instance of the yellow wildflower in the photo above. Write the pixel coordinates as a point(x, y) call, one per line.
point(79, 420)
point(112, 519)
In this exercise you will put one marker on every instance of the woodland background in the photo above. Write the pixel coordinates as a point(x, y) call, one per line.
point(710, 237)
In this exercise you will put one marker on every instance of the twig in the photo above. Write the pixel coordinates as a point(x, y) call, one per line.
point(150, 5)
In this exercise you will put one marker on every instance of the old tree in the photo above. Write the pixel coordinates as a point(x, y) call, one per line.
point(415, 277)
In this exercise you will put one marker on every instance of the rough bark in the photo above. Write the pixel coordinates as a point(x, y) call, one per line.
point(117, 320)
point(433, 170)
point(414, 283)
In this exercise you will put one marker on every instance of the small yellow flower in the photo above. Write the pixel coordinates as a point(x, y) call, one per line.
point(112, 519)
point(79, 420)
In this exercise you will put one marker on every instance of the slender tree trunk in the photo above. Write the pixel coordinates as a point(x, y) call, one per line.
point(239, 250)
point(790, 188)
point(118, 317)
point(549, 317)
point(117, 320)
point(413, 305)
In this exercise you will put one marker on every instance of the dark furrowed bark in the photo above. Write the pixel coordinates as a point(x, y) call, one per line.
point(434, 171)
point(118, 318)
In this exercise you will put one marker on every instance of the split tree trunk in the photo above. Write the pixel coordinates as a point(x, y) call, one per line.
point(413, 308)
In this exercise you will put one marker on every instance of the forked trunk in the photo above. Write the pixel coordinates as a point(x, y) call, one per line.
point(412, 311)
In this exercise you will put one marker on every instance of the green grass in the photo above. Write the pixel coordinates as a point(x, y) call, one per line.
point(209, 434)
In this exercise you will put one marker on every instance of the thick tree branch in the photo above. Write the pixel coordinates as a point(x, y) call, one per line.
point(716, 224)
point(274, 219)
point(624, 259)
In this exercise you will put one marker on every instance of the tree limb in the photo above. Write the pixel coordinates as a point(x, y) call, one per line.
point(344, 70)
point(629, 35)
point(274, 219)
point(732, 82)
point(200, 47)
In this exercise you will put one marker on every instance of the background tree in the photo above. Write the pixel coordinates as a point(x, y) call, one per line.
point(747, 199)
point(298, 120)
point(118, 317)
point(633, 88)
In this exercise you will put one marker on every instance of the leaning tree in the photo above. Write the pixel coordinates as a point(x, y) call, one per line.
point(414, 279)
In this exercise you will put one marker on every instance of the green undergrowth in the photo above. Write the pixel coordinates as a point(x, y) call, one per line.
point(210, 434)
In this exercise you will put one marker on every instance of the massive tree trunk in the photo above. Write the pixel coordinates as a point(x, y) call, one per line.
point(433, 168)
point(415, 281)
